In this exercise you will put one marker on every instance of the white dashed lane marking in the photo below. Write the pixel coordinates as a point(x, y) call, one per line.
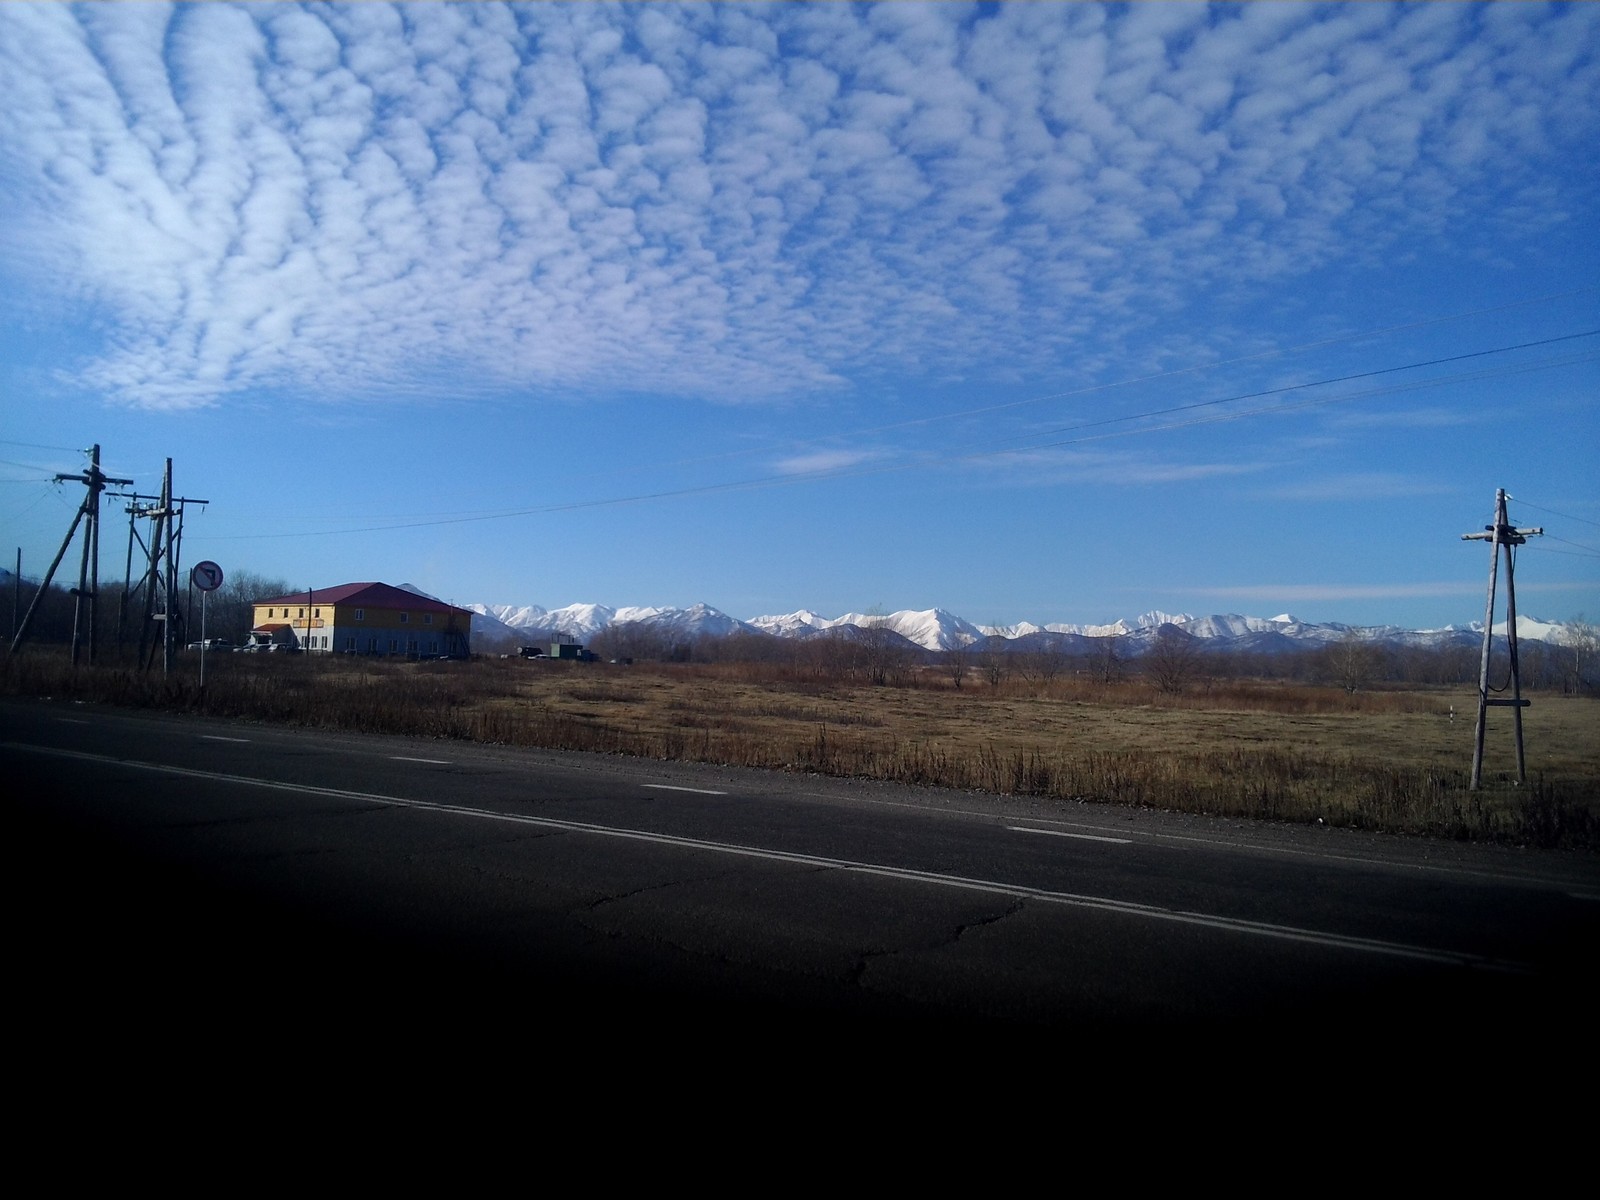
point(1084, 837)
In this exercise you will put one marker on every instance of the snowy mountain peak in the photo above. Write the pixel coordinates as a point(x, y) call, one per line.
point(937, 629)
point(793, 624)
point(1155, 619)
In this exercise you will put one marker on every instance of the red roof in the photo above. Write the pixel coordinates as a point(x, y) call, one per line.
point(367, 595)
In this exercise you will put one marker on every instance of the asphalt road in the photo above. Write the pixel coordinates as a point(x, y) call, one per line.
point(180, 881)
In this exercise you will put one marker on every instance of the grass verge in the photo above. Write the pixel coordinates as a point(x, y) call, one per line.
point(1396, 761)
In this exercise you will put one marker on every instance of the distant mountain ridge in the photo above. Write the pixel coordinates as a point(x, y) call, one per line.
point(937, 629)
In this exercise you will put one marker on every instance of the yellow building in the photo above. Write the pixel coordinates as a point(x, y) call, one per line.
point(363, 618)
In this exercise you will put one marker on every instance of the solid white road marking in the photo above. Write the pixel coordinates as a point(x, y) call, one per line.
point(1082, 837)
point(212, 737)
point(667, 787)
point(1153, 912)
point(442, 762)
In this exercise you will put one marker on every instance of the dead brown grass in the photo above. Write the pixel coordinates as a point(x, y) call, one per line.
point(1394, 760)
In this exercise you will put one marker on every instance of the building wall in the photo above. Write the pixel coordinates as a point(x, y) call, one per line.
point(366, 637)
point(336, 629)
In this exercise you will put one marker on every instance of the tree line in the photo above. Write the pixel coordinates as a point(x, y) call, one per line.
point(1173, 662)
point(229, 611)
point(874, 654)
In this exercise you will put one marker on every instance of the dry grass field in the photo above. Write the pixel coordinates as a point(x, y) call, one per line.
point(1391, 760)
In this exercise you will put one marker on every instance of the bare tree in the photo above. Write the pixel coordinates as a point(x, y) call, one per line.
point(885, 654)
point(994, 663)
point(1581, 639)
point(1353, 662)
point(1172, 661)
point(633, 640)
point(1046, 660)
point(956, 662)
point(1107, 660)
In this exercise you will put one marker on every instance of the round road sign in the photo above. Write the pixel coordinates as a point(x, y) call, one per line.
point(207, 576)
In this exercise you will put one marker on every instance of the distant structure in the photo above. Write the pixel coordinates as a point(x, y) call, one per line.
point(562, 646)
point(363, 618)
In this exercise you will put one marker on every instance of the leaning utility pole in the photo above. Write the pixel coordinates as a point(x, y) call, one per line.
point(89, 568)
point(161, 571)
point(1501, 533)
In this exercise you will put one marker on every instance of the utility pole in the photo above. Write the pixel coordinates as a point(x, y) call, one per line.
point(161, 570)
point(89, 568)
point(1501, 534)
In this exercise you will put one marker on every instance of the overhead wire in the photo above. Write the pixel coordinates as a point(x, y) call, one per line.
point(1553, 512)
point(859, 470)
point(1293, 387)
point(1090, 389)
point(36, 446)
point(1297, 406)
point(792, 444)
point(1564, 541)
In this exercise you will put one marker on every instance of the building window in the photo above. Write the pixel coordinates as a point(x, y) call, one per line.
point(316, 612)
point(302, 613)
point(427, 618)
point(350, 642)
point(404, 617)
point(361, 614)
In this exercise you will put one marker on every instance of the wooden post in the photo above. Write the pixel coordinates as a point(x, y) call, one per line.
point(1501, 534)
point(89, 568)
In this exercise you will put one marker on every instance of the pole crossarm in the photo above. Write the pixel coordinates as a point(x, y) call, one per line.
point(89, 477)
point(1506, 535)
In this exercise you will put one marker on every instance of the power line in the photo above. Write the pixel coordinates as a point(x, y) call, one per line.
point(36, 446)
point(1236, 361)
point(791, 444)
point(1293, 387)
point(1554, 513)
point(1152, 378)
point(1591, 549)
point(471, 517)
point(1569, 553)
point(1315, 402)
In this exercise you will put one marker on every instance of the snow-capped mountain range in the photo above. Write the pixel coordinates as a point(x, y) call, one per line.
point(936, 629)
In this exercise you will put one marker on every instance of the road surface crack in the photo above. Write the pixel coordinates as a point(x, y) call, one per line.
point(857, 973)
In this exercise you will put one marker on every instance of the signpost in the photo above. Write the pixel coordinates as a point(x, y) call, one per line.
point(206, 576)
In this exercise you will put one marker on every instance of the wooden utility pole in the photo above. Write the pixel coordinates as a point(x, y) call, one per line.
point(1501, 533)
point(89, 569)
point(161, 571)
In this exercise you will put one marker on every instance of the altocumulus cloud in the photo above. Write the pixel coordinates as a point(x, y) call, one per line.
point(727, 202)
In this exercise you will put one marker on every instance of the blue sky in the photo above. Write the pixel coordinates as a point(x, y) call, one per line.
point(1029, 312)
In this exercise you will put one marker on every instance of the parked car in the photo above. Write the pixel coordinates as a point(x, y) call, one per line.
point(213, 644)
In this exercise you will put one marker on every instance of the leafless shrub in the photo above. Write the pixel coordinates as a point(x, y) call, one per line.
point(1173, 661)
